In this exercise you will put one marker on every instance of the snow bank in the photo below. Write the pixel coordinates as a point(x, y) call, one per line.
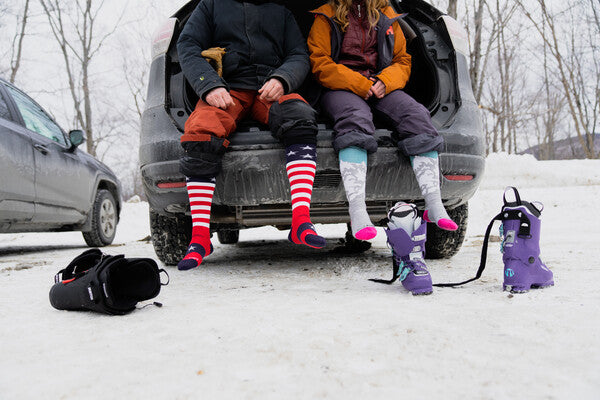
point(504, 170)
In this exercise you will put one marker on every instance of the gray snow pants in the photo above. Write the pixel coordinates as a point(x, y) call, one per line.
point(411, 125)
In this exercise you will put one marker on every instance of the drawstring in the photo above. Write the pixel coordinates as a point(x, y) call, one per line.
point(396, 273)
point(156, 304)
point(483, 256)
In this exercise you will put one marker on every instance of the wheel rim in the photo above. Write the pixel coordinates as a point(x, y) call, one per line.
point(108, 218)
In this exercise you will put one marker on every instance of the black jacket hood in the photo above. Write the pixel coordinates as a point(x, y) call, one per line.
point(297, 5)
point(261, 1)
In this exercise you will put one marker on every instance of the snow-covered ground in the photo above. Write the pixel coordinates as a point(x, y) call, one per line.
point(269, 320)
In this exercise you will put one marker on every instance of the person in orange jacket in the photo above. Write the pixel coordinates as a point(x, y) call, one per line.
point(358, 54)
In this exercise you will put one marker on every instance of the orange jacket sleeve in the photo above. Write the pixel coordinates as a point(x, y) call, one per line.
point(396, 75)
point(327, 72)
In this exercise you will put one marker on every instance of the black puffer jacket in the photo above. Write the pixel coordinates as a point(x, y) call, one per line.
point(261, 38)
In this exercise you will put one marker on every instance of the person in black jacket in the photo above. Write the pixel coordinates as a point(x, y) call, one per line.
point(265, 61)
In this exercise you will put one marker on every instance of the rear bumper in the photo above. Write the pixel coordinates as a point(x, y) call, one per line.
point(253, 187)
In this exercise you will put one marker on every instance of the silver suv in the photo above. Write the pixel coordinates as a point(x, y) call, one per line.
point(252, 189)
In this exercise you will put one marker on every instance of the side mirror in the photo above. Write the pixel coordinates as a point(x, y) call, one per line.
point(76, 137)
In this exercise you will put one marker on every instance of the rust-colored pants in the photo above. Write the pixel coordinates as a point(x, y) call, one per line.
point(207, 121)
point(290, 119)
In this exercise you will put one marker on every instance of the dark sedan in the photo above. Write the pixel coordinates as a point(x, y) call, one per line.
point(46, 182)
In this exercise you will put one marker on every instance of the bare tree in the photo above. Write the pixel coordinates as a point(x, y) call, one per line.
point(17, 43)
point(479, 55)
point(501, 97)
point(452, 8)
point(3, 9)
point(576, 65)
point(549, 114)
point(79, 46)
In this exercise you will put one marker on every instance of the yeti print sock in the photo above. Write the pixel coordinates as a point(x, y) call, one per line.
point(200, 192)
point(353, 167)
point(427, 171)
point(301, 168)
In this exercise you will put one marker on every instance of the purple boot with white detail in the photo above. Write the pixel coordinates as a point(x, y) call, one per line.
point(407, 236)
point(409, 259)
point(520, 232)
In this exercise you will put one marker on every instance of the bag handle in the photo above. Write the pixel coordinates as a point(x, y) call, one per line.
point(517, 196)
point(168, 277)
point(80, 265)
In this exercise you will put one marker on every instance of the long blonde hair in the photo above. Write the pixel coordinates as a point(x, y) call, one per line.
point(342, 8)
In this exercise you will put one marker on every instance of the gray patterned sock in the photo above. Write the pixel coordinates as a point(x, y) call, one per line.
point(427, 171)
point(354, 176)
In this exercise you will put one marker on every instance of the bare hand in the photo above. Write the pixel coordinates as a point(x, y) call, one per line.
point(272, 90)
point(220, 98)
point(377, 90)
point(369, 93)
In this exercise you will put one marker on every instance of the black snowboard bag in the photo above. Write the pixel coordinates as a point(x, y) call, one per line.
point(108, 284)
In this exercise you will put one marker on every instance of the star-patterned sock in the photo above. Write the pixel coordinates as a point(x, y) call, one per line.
point(200, 192)
point(301, 168)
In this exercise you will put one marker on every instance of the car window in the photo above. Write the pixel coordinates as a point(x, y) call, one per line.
point(36, 119)
point(4, 113)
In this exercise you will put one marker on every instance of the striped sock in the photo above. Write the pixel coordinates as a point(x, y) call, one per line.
point(301, 168)
point(200, 192)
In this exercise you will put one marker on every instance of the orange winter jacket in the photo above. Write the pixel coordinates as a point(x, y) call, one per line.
point(324, 44)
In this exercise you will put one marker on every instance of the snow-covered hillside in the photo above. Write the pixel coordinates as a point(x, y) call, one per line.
point(268, 320)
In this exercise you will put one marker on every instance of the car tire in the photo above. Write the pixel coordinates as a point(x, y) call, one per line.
point(170, 236)
point(445, 244)
point(105, 217)
point(352, 245)
point(228, 236)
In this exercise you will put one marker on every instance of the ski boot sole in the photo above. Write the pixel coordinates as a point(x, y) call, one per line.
point(422, 292)
point(525, 289)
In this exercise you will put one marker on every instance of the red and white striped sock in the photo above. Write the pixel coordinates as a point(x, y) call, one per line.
point(200, 192)
point(301, 168)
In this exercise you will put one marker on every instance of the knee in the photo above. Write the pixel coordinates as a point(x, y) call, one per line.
point(411, 112)
point(203, 159)
point(412, 145)
point(207, 120)
point(293, 121)
point(355, 138)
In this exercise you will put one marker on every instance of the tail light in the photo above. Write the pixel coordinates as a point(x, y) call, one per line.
point(458, 35)
point(459, 178)
point(161, 40)
point(171, 185)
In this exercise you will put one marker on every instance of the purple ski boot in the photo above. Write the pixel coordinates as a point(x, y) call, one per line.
point(520, 232)
point(406, 235)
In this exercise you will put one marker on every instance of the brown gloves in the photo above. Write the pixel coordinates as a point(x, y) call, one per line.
point(214, 56)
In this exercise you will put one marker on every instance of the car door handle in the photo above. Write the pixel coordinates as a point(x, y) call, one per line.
point(41, 148)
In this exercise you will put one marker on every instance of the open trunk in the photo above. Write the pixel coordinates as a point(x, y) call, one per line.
point(253, 190)
point(430, 82)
